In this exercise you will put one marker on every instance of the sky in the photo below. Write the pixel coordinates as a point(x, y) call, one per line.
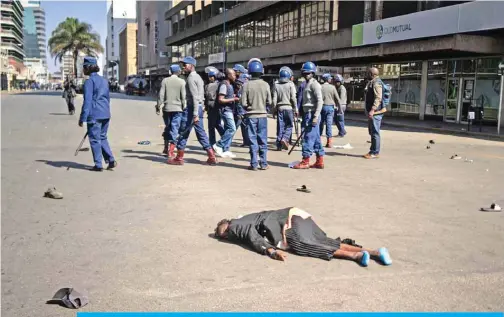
point(92, 12)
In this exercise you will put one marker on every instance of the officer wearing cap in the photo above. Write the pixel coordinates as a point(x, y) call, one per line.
point(172, 97)
point(214, 115)
point(330, 97)
point(193, 114)
point(312, 106)
point(96, 113)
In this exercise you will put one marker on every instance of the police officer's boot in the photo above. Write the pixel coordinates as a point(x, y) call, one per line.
point(212, 160)
point(319, 163)
point(178, 160)
point(304, 164)
point(171, 151)
point(165, 149)
point(329, 142)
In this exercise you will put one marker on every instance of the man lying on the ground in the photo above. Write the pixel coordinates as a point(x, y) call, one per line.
point(291, 229)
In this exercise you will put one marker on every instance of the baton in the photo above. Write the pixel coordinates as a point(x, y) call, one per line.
point(297, 141)
point(81, 143)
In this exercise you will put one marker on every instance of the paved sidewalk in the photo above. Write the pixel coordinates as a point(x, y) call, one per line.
point(488, 132)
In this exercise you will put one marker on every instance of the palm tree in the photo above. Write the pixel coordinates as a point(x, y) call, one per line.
point(74, 36)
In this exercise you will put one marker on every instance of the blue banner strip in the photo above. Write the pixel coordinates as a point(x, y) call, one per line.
point(223, 314)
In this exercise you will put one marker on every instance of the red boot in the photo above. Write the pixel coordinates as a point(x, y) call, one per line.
point(171, 151)
point(165, 149)
point(329, 143)
point(319, 163)
point(211, 157)
point(178, 160)
point(304, 164)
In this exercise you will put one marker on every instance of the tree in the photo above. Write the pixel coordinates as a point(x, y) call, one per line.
point(75, 37)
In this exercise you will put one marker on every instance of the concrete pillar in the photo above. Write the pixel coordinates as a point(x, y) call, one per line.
point(368, 10)
point(502, 105)
point(378, 11)
point(423, 90)
point(419, 5)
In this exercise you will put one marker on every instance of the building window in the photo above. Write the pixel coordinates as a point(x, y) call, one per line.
point(197, 49)
point(286, 26)
point(231, 40)
point(246, 35)
point(264, 32)
point(315, 18)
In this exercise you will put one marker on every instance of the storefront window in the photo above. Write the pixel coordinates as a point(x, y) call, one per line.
point(264, 32)
point(197, 49)
point(405, 87)
point(436, 88)
point(487, 88)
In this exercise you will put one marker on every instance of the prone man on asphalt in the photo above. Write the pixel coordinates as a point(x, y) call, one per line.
point(193, 115)
point(172, 96)
point(96, 112)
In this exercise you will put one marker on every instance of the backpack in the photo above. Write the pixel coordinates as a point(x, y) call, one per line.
point(386, 94)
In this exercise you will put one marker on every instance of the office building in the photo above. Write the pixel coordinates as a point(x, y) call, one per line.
point(119, 13)
point(441, 57)
point(152, 30)
point(11, 33)
point(34, 30)
point(128, 51)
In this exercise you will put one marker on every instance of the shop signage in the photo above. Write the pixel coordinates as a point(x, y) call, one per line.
point(216, 58)
point(328, 69)
point(156, 36)
point(443, 21)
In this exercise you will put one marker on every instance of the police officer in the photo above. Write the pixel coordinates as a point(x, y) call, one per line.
point(330, 97)
point(172, 95)
point(312, 106)
point(284, 107)
point(239, 70)
point(255, 98)
point(214, 116)
point(96, 112)
point(240, 111)
point(193, 115)
point(340, 106)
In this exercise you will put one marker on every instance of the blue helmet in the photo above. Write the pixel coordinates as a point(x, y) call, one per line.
point(256, 67)
point(189, 60)
point(211, 74)
point(253, 60)
point(241, 80)
point(89, 60)
point(239, 68)
point(175, 68)
point(284, 73)
point(308, 67)
point(326, 77)
point(244, 77)
point(339, 78)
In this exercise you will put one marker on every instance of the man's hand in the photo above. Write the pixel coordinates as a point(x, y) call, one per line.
point(236, 99)
point(371, 114)
point(81, 124)
point(280, 256)
point(195, 119)
point(314, 122)
point(158, 110)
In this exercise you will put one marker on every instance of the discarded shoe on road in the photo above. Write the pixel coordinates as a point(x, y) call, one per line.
point(53, 193)
point(70, 298)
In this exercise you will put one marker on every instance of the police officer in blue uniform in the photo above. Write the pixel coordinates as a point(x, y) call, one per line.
point(96, 113)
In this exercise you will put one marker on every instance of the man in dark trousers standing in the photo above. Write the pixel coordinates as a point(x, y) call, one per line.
point(96, 112)
point(284, 107)
point(212, 108)
point(172, 96)
point(193, 115)
point(374, 111)
point(255, 98)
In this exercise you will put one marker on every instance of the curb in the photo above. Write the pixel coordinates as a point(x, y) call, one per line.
point(482, 135)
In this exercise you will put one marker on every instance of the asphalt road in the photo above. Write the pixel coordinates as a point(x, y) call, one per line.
point(137, 239)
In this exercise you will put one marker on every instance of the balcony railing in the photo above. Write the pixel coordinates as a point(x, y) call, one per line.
point(14, 34)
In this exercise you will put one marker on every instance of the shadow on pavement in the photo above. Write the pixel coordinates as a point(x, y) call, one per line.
point(157, 159)
point(343, 154)
point(60, 164)
point(41, 93)
point(123, 96)
point(141, 152)
point(59, 114)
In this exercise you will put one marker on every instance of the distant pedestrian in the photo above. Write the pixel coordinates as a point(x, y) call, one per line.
point(312, 106)
point(172, 98)
point(69, 93)
point(193, 115)
point(375, 109)
point(255, 99)
point(284, 108)
point(341, 104)
point(330, 96)
point(96, 112)
point(212, 108)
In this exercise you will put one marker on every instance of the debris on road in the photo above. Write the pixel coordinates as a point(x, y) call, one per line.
point(468, 160)
point(53, 193)
point(84, 149)
point(291, 165)
point(428, 147)
point(303, 189)
point(343, 147)
point(432, 142)
point(70, 298)
point(456, 157)
point(144, 142)
point(493, 207)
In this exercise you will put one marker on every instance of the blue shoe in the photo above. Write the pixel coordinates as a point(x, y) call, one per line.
point(365, 259)
point(384, 256)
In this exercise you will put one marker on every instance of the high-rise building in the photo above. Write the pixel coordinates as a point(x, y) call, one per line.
point(119, 13)
point(34, 30)
point(152, 30)
point(68, 65)
point(11, 33)
point(128, 49)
